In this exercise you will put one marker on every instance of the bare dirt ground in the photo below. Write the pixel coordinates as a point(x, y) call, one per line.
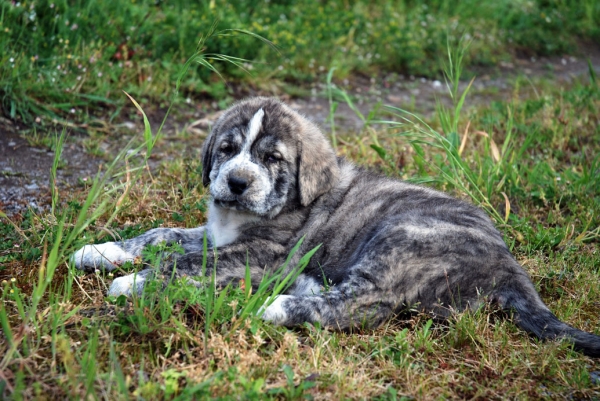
point(25, 168)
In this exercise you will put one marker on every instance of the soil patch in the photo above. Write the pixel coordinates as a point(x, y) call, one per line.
point(25, 170)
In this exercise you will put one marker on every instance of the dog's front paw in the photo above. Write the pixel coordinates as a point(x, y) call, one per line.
point(130, 284)
point(107, 256)
point(275, 312)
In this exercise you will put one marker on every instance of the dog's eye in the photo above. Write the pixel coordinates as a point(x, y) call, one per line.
point(226, 148)
point(272, 158)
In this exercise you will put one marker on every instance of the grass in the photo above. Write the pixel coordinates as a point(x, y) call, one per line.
point(531, 162)
point(65, 61)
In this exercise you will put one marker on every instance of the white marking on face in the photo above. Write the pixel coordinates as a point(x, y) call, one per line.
point(253, 128)
point(105, 256)
point(223, 224)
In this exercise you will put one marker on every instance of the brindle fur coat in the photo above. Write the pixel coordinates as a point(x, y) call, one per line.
point(386, 245)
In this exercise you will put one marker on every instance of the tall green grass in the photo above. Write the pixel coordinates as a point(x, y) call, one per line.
point(62, 58)
point(454, 170)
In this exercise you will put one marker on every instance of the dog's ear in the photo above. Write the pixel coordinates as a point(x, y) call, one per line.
point(318, 167)
point(207, 150)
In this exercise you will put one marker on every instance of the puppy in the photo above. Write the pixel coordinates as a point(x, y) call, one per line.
point(385, 245)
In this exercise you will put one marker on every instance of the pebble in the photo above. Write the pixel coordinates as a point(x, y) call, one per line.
point(595, 377)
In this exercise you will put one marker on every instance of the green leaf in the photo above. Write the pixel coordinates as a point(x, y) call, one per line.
point(380, 151)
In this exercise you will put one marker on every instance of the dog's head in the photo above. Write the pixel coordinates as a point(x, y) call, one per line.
point(261, 156)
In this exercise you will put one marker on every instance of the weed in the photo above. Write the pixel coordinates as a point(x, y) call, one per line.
point(292, 391)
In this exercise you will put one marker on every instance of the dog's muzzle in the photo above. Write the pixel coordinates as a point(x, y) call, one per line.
point(238, 185)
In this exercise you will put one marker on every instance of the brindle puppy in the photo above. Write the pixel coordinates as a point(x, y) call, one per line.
point(386, 244)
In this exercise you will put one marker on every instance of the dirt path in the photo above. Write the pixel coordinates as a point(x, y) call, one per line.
point(419, 94)
point(25, 169)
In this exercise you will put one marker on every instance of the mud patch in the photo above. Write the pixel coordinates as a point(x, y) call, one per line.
point(25, 171)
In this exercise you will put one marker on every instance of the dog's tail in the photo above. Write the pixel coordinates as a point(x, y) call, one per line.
point(533, 316)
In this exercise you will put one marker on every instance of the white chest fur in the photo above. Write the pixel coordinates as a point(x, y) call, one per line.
point(224, 224)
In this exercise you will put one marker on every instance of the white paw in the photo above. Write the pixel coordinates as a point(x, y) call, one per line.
point(127, 285)
point(275, 313)
point(105, 256)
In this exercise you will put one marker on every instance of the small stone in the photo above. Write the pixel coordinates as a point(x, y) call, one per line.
point(595, 377)
point(129, 125)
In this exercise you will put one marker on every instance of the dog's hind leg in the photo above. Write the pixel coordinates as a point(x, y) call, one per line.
point(110, 255)
point(356, 302)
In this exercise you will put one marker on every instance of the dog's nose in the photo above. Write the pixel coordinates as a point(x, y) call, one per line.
point(238, 185)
